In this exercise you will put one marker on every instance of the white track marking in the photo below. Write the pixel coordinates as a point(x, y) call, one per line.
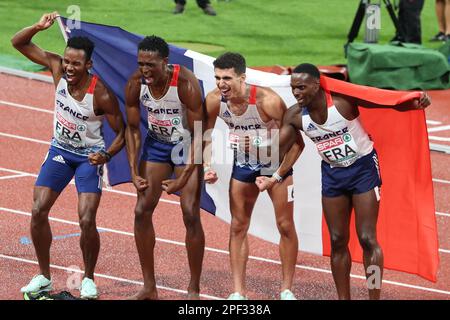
point(105, 276)
point(443, 139)
point(13, 176)
point(14, 136)
point(226, 252)
point(23, 106)
point(441, 128)
point(433, 122)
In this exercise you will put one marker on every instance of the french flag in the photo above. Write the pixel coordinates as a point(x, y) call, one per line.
point(406, 227)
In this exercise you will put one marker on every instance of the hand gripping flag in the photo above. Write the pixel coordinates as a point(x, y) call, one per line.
point(406, 224)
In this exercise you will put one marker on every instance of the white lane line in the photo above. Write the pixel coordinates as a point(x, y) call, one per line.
point(443, 139)
point(441, 181)
point(433, 122)
point(226, 252)
point(441, 128)
point(395, 283)
point(13, 176)
point(105, 276)
point(444, 250)
point(23, 106)
point(443, 214)
point(23, 138)
point(105, 189)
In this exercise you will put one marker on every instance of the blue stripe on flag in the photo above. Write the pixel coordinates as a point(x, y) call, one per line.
point(115, 60)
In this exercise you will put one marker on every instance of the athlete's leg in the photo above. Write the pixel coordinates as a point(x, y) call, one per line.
point(54, 176)
point(195, 238)
point(284, 212)
point(144, 232)
point(366, 214)
point(41, 234)
point(337, 212)
point(243, 196)
point(90, 239)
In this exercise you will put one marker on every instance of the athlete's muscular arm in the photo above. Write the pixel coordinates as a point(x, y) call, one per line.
point(290, 144)
point(132, 131)
point(212, 108)
point(106, 103)
point(190, 95)
point(22, 42)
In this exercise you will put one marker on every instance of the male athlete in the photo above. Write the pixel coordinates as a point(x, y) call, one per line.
point(250, 113)
point(77, 148)
point(172, 97)
point(350, 170)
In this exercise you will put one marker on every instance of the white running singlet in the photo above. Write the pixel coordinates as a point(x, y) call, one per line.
point(76, 128)
point(340, 142)
point(248, 124)
point(167, 120)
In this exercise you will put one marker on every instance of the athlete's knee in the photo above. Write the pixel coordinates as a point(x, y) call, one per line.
point(144, 211)
point(286, 227)
point(339, 242)
point(190, 206)
point(87, 222)
point(368, 241)
point(239, 227)
point(191, 221)
point(39, 213)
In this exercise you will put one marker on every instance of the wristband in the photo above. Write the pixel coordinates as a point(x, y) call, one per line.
point(206, 169)
point(105, 155)
point(277, 177)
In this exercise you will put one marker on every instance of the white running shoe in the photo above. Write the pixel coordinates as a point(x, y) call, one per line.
point(88, 289)
point(236, 296)
point(38, 284)
point(287, 295)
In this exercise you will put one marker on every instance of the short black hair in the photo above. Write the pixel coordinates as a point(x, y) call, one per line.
point(307, 68)
point(230, 60)
point(155, 43)
point(82, 43)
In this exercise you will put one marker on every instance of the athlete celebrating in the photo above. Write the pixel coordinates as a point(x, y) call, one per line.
point(172, 96)
point(251, 113)
point(350, 169)
point(77, 148)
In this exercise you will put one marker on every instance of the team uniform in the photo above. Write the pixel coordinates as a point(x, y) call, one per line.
point(247, 166)
point(168, 133)
point(77, 132)
point(349, 161)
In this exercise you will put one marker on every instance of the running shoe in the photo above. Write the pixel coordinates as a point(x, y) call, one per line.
point(287, 295)
point(236, 296)
point(88, 289)
point(38, 284)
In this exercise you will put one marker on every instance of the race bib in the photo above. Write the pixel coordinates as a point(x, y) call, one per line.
point(68, 132)
point(165, 130)
point(339, 151)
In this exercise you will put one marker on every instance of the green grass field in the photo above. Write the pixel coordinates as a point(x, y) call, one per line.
point(266, 32)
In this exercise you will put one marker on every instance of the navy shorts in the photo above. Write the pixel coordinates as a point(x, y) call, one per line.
point(156, 151)
point(60, 166)
point(360, 177)
point(247, 174)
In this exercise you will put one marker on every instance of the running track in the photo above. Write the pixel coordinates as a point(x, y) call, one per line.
point(26, 128)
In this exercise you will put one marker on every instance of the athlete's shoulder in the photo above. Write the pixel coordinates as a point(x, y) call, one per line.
point(185, 74)
point(213, 98)
point(135, 79)
point(214, 95)
point(269, 100)
point(103, 95)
